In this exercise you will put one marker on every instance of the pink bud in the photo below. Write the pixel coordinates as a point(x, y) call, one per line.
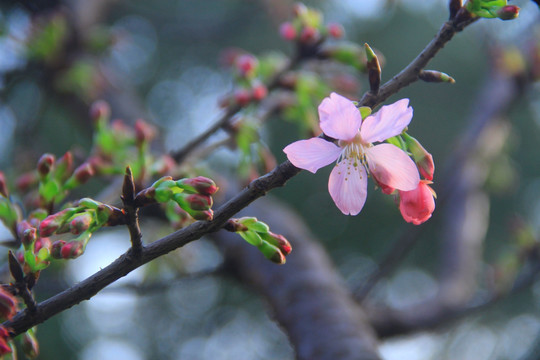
point(508, 12)
point(279, 241)
point(199, 202)
point(29, 237)
point(246, 64)
point(24, 181)
point(259, 92)
point(3, 186)
point(42, 242)
point(309, 35)
point(335, 30)
point(81, 223)
point(83, 173)
point(22, 226)
point(416, 206)
point(202, 215)
point(64, 166)
point(287, 31)
point(242, 96)
point(48, 226)
point(144, 132)
point(8, 304)
point(45, 164)
point(199, 184)
point(4, 338)
point(100, 111)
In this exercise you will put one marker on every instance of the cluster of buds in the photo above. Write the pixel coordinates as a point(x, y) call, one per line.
point(249, 73)
point(9, 213)
point(116, 145)
point(416, 206)
point(491, 9)
point(82, 220)
point(192, 195)
point(35, 253)
point(307, 27)
point(56, 177)
point(273, 246)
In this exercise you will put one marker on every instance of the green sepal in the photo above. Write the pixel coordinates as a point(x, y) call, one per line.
point(251, 237)
point(364, 111)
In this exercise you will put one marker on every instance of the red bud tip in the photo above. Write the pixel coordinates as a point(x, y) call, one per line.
point(100, 111)
point(81, 223)
point(199, 202)
point(288, 31)
point(48, 226)
point(3, 186)
point(29, 237)
point(309, 35)
point(242, 97)
point(144, 132)
point(62, 250)
point(508, 12)
point(4, 338)
point(84, 172)
point(45, 164)
point(8, 305)
point(24, 181)
point(335, 30)
point(246, 64)
point(42, 242)
point(199, 184)
point(259, 92)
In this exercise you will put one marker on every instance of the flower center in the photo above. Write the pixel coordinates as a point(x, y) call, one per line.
point(354, 150)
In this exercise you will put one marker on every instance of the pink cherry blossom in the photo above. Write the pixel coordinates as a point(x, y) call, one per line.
point(355, 155)
point(416, 206)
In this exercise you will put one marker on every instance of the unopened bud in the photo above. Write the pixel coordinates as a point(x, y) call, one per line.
point(288, 31)
point(422, 158)
point(199, 184)
point(30, 344)
point(508, 12)
point(53, 222)
point(81, 175)
point(309, 35)
point(435, 76)
point(144, 132)
point(3, 186)
point(259, 92)
point(272, 253)
point(278, 241)
point(335, 30)
point(100, 112)
point(29, 236)
point(71, 250)
point(199, 202)
point(42, 243)
point(4, 338)
point(64, 166)
point(205, 215)
point(242, 96)
point(45, 164)
point(246, 65)
point(81, 223)
point(25, 181)
point(8, 305)
point(374, 69)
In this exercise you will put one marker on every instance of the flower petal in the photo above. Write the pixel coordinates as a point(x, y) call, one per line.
point(392, 167)
point(312, 154)
point(389, 121)
point(339, 118)
point(348, 186)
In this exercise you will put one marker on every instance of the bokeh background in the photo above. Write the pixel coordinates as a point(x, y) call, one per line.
point(166, 56)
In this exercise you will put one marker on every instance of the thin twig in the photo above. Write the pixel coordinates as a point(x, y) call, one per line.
point(132, 213)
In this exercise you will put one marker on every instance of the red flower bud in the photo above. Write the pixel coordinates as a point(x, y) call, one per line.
point(24, 181)
point(416, 206)
point(199, 184)
point(199, 202)
point(29, 237)
point(287, 31)
point(8, 305)
point(246, 64)
point(202, 215)
point(508, 12)
point(100, 111)
point(335, 30)
point(309, 35)
point(242, 96)
point(259, 92)
point(42, 242)
point(144, 132)
point(4, 338)
point(83, 173)
point(279, 241)
point(45, 164)
point(81, 223)
point(3, 186)
point(64, 166)
point(71, 250)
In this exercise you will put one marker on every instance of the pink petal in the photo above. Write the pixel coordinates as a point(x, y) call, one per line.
point(339, 118)
point(389, 121)
point(392, 167)
point(312, 154)
point(348, 186)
